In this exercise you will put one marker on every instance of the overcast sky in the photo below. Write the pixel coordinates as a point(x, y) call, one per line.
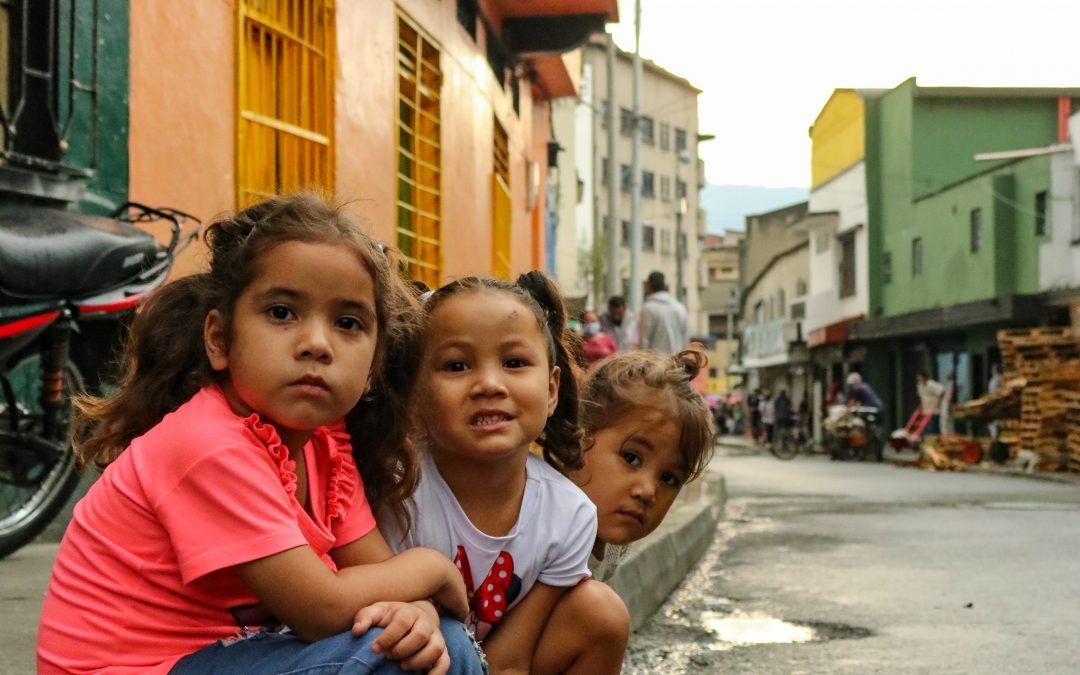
point(767, 66)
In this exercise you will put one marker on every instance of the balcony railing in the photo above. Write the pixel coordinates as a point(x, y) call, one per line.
point(769, 341)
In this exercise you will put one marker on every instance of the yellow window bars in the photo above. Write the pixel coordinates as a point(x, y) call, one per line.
point(501, 209)
point(419, 154)
point(285, 97)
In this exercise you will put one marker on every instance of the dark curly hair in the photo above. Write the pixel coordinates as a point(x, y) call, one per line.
point(630, 381)
point(164, 362)
point(561, 439)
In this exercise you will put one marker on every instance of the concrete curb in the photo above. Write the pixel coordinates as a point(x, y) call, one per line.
point(658, 563)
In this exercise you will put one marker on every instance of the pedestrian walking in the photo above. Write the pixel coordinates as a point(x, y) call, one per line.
point(619, 323)
point(663, 318)
point(930, 395)
point(753, 407)
point(768, 416)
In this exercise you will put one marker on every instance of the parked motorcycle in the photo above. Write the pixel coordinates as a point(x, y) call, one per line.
point(68, 284)
point(854, 433)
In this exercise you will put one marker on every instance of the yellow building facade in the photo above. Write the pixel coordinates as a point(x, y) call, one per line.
point(837, 137)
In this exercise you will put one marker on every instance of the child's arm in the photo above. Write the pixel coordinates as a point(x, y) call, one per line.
point(315, 602)
point(510, 649)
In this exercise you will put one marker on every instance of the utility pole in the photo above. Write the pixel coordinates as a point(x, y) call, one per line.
point(614, 278)
point(635, 172)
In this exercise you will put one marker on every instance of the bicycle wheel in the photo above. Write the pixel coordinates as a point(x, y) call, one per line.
point(37, 475)
point(786, 446)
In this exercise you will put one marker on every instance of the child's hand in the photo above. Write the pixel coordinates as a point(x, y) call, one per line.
point(452, 597)
point(410, 634)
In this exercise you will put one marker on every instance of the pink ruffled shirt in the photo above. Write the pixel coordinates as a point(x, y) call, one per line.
point(144, 575)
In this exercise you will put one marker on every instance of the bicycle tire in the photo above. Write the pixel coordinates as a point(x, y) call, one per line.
point(787, 447)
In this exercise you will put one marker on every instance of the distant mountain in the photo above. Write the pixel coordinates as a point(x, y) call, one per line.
point(726, 206)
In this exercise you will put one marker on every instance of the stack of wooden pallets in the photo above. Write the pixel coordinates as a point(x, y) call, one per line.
point(1045, 357)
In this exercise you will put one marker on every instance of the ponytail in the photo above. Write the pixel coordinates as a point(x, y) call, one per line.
point(562, 437)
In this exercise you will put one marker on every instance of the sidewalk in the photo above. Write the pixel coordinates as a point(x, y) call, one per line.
point(25, 575)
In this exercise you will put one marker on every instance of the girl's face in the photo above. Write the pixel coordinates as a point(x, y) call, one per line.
point(488, 388)
point(302, 339)
point(633, 472)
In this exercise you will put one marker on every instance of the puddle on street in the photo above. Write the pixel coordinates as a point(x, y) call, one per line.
point(744, 629)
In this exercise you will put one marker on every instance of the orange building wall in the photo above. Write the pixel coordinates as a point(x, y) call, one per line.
point(182, 138)
point(183, 122)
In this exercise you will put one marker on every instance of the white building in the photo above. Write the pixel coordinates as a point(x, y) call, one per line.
point(671, 175)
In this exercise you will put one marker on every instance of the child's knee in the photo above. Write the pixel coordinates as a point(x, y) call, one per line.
point(602, 612)
point(466, 656)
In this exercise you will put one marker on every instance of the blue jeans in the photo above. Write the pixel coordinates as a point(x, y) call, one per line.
point(279, 653)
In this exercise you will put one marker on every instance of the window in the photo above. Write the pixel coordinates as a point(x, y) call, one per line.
point(604, 105)
point(682, 253)
point(916, 257)
point(419, 154)
point(605, 167)
point(800, 287)
point(626, 122)
point(781, 303)
point(665, 188)
point(847, 264)
point(821, 241)
point(759, 312)
point(976, 230)
point(798, 311)
point(665, 247)
point(625, 177)
point(886, 267)
point(286, 98)
point(648, 238)
point(501, 206)
point(680, 189)
point(680, 140)
point(648, 184)
point(626, 233)
point(647, 130)
point(467, 14)
point(498, 57)
point(1040, 214)
point(665, 136)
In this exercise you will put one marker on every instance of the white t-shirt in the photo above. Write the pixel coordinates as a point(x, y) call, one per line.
point(550, 542)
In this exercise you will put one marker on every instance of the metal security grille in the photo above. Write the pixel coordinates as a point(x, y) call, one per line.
point(49, 83)
point(286, 97)
point(501, 213)
point(419, 173)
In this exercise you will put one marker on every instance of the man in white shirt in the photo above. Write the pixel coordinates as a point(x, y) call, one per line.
point(663, 318)
point(931, 393)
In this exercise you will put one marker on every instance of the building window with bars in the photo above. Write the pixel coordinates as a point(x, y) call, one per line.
point(680, 189)
point(665, 188)
point(665, 136)
point(625, 233)
point(647, 133)
point(286, 98)
point(625, 177)
point(680, 140)
point(847, 264)
point(976, 230)
point(501, 210)
point(648, 184)
point(419, 153)
point(626, 122)
point(648, 238)
point(1040, 214)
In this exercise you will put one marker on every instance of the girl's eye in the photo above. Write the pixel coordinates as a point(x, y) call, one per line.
point(455, 366)
point(671, 480)
point(280, 313)
point(631, 458)
point(516, 363)
point(349, 323)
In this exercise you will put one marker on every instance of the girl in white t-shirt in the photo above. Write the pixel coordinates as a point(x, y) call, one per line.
point(496, 375)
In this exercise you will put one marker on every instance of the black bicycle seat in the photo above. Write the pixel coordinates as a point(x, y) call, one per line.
point(48, 253)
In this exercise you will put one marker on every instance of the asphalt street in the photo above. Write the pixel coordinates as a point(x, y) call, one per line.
point(834, 567)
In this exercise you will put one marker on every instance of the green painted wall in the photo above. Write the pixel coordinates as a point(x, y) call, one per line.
point(923, 183)
point(108, 185)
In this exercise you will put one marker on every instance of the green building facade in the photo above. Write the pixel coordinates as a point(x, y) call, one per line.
point(953, 241)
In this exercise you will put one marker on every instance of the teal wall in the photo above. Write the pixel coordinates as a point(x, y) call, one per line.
point(923, 182)
point(108, 185)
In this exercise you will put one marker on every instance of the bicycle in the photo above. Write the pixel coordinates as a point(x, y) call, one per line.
point(790, 441)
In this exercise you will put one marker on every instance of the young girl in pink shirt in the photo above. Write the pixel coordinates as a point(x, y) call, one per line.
point(231, 504)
